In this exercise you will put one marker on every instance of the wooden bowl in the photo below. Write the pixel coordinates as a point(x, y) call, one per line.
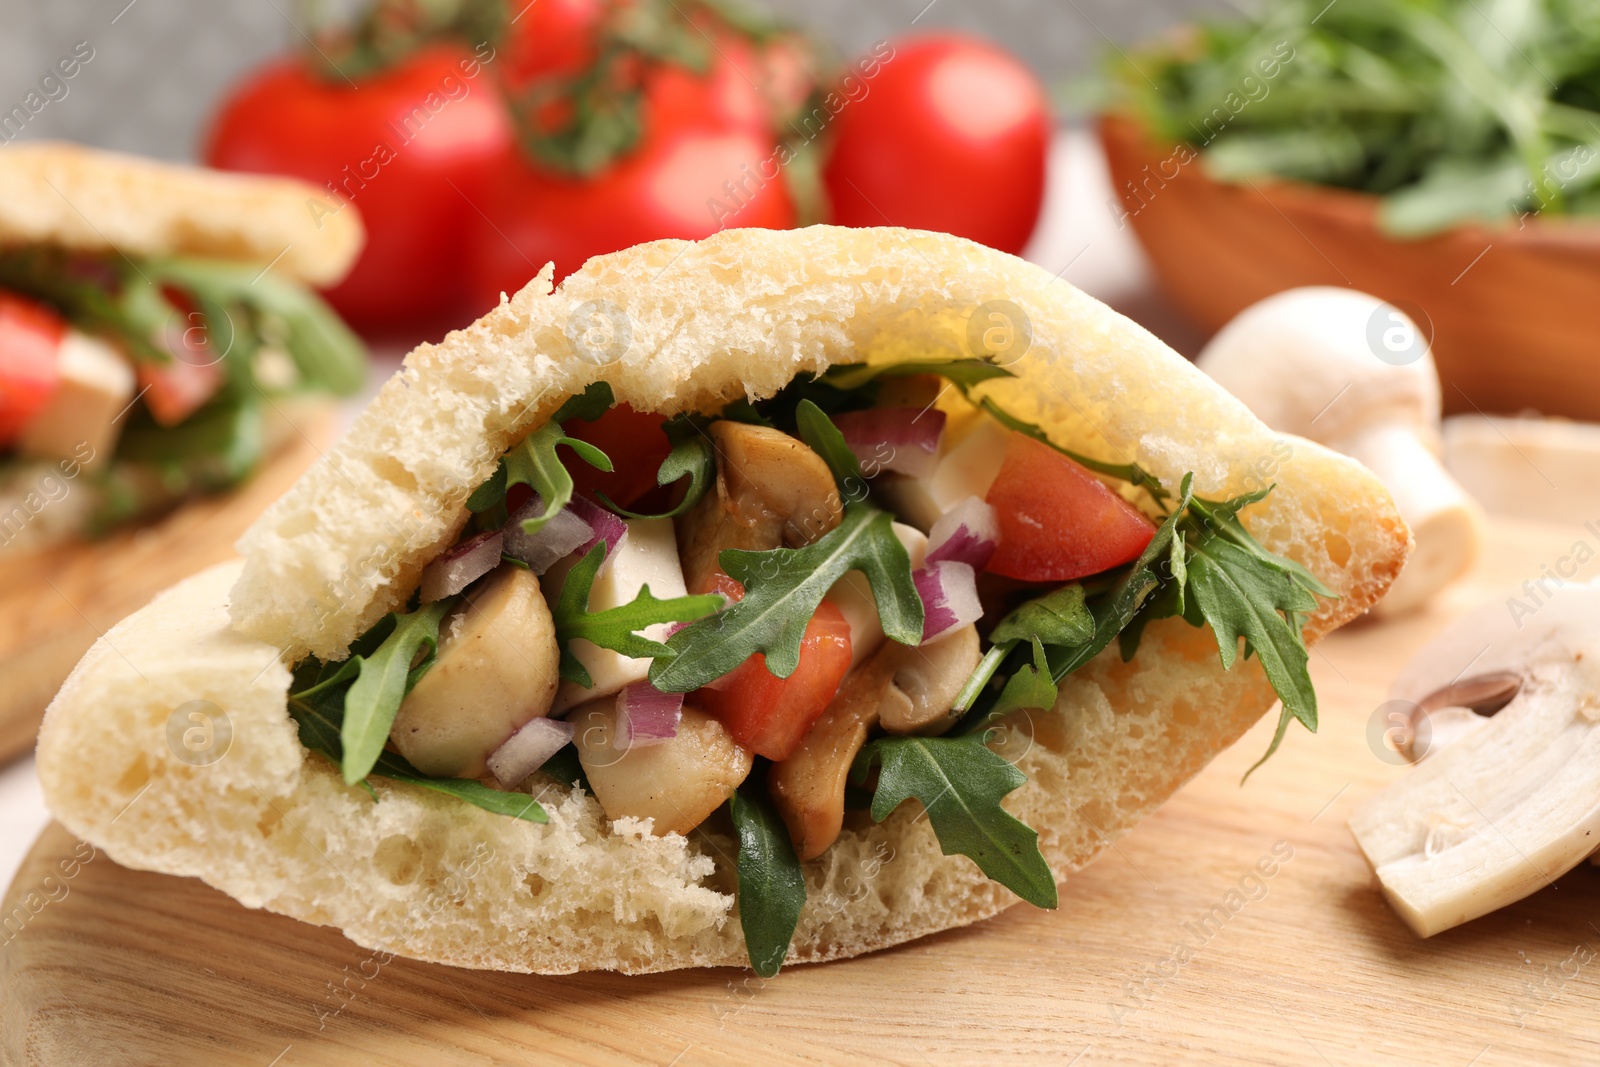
point(1514, 311)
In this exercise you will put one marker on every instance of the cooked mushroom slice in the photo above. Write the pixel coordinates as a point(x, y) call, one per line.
point(677, 782)
point(1446, 715)
point(1514, 802)
point(497, 667)
point(771, 490)
point(909, 689)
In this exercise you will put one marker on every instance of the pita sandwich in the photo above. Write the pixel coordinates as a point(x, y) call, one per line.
point(476, 706)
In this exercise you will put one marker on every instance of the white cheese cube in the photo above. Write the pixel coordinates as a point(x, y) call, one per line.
point(852, 595)
point(966, 467)
point(647, 556)
point(96, 386)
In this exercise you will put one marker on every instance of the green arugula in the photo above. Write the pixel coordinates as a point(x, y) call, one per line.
point(381, 681)
point(318, 709)
point(962, 372)
point(533, 461)
point(960, 783)
point(772, 885)
point(615, 628)
point(691, 457)
point(1060, 617)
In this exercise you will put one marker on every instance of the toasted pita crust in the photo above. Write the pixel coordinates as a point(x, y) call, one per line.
point(739, 314)
point(96, 201)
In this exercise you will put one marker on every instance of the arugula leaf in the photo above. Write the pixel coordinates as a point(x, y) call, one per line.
point(1060, 617)
point(691, 457)
point(818, 431)
point(382, 682)
point(1030, 686)
point(318, 712)
point(614, 628)
point(772, 885)
point(962, 372)
point(960, 784)
point(1243, 595)
point(533, 460)
point(783, 587)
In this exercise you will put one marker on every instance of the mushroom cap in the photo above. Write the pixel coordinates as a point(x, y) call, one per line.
point(1326, 363)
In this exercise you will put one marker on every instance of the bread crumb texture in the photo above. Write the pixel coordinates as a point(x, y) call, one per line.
point(97, 201)
point(673, 327)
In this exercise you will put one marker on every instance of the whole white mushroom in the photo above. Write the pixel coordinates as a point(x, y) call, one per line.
point(1349, 371)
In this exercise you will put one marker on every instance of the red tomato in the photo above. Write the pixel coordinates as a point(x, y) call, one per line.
point(1057, 521)
point(549, 39)
point(950, 133)
point(30, 343)
point(174, 391)
point(770, 715)
point(409, 149)
point(636, 445)
point(706, 162)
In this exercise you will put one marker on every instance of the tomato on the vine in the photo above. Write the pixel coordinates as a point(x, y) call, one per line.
point(549, 39)
point(951, 134)
point(409, 148)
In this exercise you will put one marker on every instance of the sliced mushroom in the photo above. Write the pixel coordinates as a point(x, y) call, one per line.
point(677, 783)
point(497, 667)
point(909, 689)
point(771, 490)
point(1444, 716)
point(1514, 802)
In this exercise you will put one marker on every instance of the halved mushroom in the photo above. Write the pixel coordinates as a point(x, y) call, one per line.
point(1514, 802)
point(910, 689)
point(677, 782)
point(772, 489)
point(497, 668)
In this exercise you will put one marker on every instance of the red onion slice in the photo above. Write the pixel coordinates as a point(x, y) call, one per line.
point(647, 716)
point(604, 526)
point(894, 439)
point(556, 539)
point(949, 592)
point(527, 750)
point(967, 533)
point(461, 566)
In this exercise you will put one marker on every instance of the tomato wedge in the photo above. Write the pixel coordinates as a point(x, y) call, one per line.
point(636, 445)
point(1057, 521)
point(30, 344)
point(770, 715)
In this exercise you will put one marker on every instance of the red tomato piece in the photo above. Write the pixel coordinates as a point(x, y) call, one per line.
point(548, 39)
point(1057, 521)
point(636, 445)
point(174, 391)
point(947, 133)
point(771, 715)
point(30, 345)
point(409, 149)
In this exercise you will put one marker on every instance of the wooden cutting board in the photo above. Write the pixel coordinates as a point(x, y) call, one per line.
point(112, 966)
point(56, 601)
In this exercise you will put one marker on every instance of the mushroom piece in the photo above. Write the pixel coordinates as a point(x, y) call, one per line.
point(1514, 801)
point(1353, 373)
point(496, 668)
point(676, 783)
point(910, 687)
point(771, 490)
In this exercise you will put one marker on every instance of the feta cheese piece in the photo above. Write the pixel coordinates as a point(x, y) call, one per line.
point(647, 556)
point(967, 466)
point(82, 416)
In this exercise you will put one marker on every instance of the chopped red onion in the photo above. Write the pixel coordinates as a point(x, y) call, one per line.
point(461, 566)
point(556, 539)
point(604, 526)
point(527, 750)
point(647, 716)
point(967, 533)
point(895, 439)
point(949, 592)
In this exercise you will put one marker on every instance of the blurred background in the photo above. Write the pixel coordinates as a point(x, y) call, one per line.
point(159, 108)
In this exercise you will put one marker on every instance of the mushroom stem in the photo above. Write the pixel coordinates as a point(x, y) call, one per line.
point(1446, 522)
